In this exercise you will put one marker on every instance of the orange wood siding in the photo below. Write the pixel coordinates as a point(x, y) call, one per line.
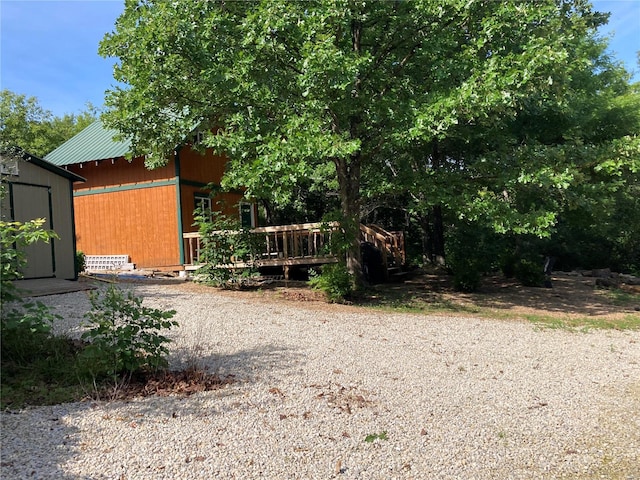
point(203, 168)
point(121, 172)
point(207, 168)
point(141, 223)
point(230, 202)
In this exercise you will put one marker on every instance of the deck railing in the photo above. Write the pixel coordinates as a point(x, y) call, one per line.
point(390, 244)
point(302, 244)
point(283, 245)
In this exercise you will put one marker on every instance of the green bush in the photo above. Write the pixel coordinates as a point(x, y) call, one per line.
point(335, 281)
point(472, 250)
point(124, 336)
point(529, 272)
point(466, 276)
point(224, 242)
point(24, 323)
point(80, 261)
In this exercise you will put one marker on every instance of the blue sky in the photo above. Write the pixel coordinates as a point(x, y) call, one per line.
point(48, 48)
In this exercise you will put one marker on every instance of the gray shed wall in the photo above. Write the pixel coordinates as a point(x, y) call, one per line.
point(37, 193)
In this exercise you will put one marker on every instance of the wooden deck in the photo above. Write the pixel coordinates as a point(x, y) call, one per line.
point(303, 244)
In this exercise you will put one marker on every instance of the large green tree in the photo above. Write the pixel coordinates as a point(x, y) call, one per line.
point(519, 171)
point(24, 123)
point(332, 90)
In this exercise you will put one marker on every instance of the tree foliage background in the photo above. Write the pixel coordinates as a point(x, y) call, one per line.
point(24, 123)
point(466, 119)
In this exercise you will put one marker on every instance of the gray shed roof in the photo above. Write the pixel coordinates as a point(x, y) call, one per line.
point(93, 143)
point(19, 153)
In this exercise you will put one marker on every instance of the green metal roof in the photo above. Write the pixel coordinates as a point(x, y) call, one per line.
point(93, 143)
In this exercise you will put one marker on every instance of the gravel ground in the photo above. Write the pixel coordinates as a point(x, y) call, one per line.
point(452, 398)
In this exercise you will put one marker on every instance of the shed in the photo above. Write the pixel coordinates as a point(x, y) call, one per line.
point(35, 188)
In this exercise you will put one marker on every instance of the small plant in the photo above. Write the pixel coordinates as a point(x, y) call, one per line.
point(335, 281)
point(80, 261)
point(124, 335)
point(529, 272)
point(376, 436)
point(223, 244)
point(24, 323)
point(25, 327)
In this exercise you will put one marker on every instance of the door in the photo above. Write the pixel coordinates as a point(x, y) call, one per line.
point(31, 202)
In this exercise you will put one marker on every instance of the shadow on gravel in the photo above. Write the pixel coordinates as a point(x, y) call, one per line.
point(222, 376)
point(38, 443)
point(245, 365)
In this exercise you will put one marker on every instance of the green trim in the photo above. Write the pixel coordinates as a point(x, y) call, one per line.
point(193, 183)
point(122, 188)
point(206, 186)
point(76, 273)
point(53, 249)
point(179, 200)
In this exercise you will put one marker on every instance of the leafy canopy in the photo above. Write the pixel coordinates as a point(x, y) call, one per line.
point(469, 105)
point(24, 123)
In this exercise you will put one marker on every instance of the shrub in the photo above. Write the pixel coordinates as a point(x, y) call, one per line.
point(224, 242)
point(466, 275)
point(472, 250)
point(529, 272)
point(124, 336)
point(80, 261)
point(24, 324)
point(335, 281)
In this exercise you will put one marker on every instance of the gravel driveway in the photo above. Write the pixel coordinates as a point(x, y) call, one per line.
point(437, 398)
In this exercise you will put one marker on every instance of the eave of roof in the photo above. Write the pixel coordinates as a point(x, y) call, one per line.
point(27, 157)
point(93, 143)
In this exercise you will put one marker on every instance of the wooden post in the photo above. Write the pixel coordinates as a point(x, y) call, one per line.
point(285, 248)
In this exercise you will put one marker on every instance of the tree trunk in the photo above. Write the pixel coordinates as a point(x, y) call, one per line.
point(437, 236)
point(348, 170)
point(437, 232)
point(349, 183)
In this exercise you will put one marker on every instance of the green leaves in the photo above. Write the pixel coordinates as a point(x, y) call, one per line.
point(124, 335)
point(23, 323)
point(24, 123)
point(494, 111)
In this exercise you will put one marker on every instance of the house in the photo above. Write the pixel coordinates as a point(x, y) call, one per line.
point(124, 208)
point(35, 188)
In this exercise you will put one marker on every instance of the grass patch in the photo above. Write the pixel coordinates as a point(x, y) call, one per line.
point(438, 298)
point(620, 297)
point(48, 378)
point(376, 436)
point(628, 322)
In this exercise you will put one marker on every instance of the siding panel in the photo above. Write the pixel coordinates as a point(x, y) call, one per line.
point(140, 223)
point(207, 168)
point(230, 202)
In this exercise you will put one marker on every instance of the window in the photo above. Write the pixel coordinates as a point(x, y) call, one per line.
point(202, 202)
point(247, 215)
point(198, 137)
point(9, 166)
